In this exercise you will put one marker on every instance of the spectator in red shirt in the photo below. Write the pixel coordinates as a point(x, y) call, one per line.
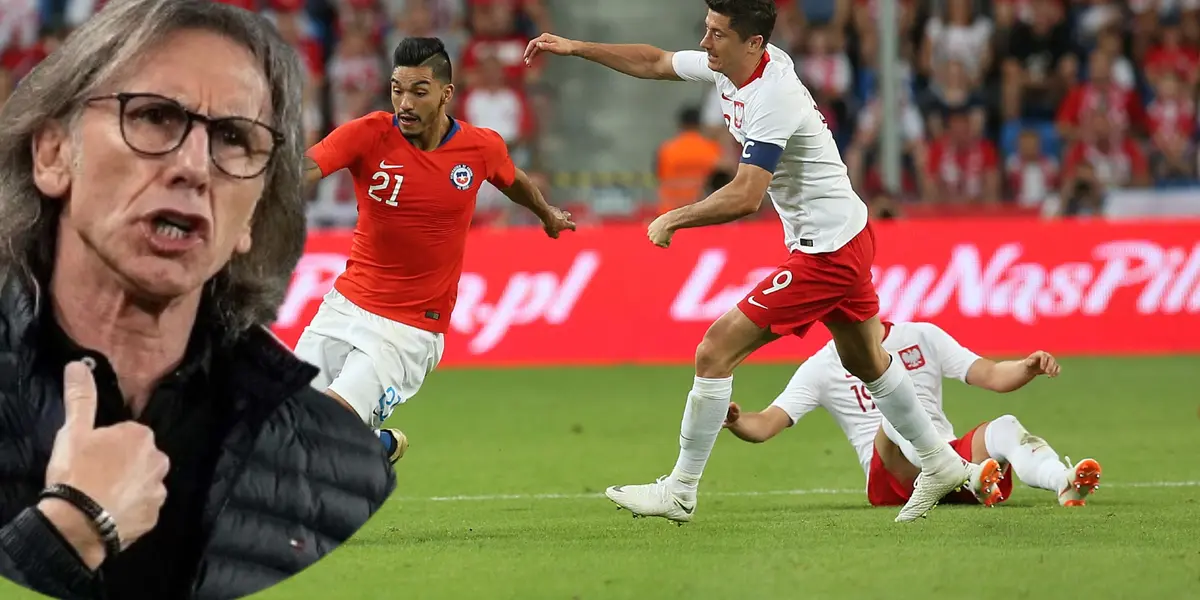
point(494, 35)
point(1099, 94)
point(22, 58)
point(962, 166)
point(1113, 156)
point(18, 61)
point(1033, 175)
point(1171, 119)
point(1172, 55)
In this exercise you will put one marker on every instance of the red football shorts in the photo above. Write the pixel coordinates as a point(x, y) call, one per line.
point(807, 288)
point(883, 489)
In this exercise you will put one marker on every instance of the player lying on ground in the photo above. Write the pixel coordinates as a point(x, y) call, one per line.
point(789, 153)
point(888, 460)
point(379, 331)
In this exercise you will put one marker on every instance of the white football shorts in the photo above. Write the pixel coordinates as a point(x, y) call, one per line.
point(374, 363)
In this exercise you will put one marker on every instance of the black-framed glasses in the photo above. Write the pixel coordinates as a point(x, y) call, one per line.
point(156, 125)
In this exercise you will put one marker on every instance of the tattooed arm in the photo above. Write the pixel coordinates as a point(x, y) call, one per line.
point(312, 172)
point(339, 150)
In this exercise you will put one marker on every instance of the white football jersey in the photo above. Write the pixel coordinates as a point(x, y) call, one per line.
point(929, 354)
point(774, 118)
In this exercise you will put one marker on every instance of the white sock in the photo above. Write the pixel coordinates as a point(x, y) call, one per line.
point(1034, 461)
point(707, 404)
point(896, 398)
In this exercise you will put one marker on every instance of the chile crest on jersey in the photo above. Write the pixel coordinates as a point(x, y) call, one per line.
point(462, 176)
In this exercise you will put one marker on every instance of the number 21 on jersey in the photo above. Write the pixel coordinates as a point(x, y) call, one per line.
point(380, 182)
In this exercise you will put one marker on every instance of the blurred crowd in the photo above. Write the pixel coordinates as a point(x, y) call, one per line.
point(1037, 106)
point(1040, 106)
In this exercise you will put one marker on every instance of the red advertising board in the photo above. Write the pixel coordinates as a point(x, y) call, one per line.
point(1003, 287)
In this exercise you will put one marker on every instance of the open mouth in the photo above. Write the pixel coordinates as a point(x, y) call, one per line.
point(174, 226)
point(171, 231)
point(408, 119)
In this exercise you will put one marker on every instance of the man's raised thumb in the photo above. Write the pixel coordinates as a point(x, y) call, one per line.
point(79, 396)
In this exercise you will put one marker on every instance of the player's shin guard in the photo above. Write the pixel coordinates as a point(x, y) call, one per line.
point(896, 398)
point(706, 407)
point(1032, 459)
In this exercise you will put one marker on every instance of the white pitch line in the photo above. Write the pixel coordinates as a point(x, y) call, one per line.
point(742, 494)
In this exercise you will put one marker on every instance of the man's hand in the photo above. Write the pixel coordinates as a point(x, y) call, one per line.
point(731, 417)
point(557, 221)
point(660, 232)
point(548, 42)
point(1042, 363)
point(119, 467)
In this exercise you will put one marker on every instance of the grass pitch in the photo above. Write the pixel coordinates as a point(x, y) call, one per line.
point(500, 497)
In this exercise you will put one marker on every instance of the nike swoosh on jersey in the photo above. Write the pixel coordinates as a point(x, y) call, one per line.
point(751, 300)
point(383, 165)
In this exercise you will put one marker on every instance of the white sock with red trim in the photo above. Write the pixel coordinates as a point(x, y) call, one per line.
point(707, 405)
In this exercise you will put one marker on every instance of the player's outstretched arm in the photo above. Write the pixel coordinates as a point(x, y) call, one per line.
point(1011, 375)
point(756, 427)
point(638, 60)
point(525, 192)
point(739, 198)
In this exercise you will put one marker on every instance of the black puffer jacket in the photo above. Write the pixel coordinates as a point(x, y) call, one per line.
point(295, 477)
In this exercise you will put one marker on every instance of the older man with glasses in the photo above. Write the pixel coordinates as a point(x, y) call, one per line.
point(156, 441)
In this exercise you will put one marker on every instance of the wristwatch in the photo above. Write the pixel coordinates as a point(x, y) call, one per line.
point(101, 520)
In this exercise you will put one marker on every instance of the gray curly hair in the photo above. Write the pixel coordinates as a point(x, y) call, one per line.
point(248, 290)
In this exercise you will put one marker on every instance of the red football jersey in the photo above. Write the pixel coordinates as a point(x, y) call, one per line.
point(414, 209)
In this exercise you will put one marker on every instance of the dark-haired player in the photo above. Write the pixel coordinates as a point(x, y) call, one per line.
point(789, 153)
point(417, 171)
